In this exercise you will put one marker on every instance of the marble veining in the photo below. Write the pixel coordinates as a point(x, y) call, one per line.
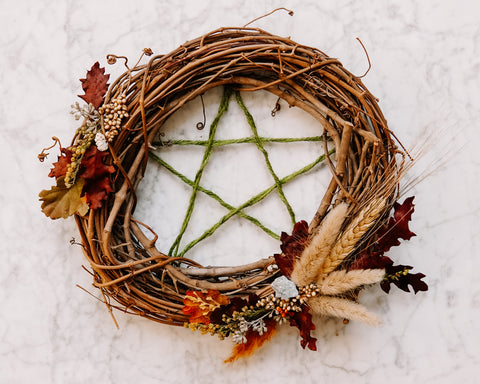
point(425, 71)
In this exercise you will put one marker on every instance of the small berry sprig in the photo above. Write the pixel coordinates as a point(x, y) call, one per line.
point(113, 113)
point(86, 135)
point(236, 325)
point(253, 317)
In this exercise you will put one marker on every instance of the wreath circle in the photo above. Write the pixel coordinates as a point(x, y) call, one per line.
point(322, 265)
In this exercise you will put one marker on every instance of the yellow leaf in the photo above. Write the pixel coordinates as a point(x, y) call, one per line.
point(61, 201)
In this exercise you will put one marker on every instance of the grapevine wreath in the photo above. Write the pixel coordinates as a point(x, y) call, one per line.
point(319, 269)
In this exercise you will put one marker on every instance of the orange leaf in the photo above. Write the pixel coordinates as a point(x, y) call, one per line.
point(254, 341)
point(199, 305)
point(95, 85)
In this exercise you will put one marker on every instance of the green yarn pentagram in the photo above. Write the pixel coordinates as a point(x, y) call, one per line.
point(211, 143)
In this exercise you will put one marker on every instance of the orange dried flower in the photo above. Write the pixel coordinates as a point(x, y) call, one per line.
point(254, 341)
point(199, 305)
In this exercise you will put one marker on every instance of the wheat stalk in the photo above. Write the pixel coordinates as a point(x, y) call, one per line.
point(342, 281)
point(352, 235)
point(306, 269)
point(336, 307)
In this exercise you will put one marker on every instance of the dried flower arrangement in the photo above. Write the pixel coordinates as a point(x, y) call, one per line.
point(322, 265)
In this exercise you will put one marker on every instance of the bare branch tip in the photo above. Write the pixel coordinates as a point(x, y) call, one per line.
point(289, 11)
point(368, 58)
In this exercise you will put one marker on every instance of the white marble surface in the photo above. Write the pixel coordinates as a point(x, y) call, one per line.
point(426, 64)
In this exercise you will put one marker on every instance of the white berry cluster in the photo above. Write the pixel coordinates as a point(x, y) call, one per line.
point(113, 113)
point(88, 112)
point(239, 335)
point(101, 142)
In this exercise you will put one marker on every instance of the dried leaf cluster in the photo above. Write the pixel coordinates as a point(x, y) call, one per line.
point(322, 291)
point(82, 172)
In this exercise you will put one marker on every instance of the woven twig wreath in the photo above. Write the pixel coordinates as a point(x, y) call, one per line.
point(322, 265)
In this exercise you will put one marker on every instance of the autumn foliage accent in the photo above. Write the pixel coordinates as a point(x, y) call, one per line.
point(386, 237)
point(254, 341)
point(91, 187)
point(60, 167)
point(82, 166)
point(96, 174)
point(95, 85)
point(397, 227)
point(402, 278)
point(292, 247)
point(199, 305)
point(61, 202)
point(303, 321)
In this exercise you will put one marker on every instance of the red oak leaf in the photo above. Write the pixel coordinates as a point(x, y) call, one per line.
point(254, 341)
point(394, 274)
point(400, 276)
point(97, 190)
point(370, 260)
point(95, 85)
point(303, 321)
point(292, 247)
point(60, 167)
point(93, 166)
point(96, 175)
point(397, 227)
point(387, 237)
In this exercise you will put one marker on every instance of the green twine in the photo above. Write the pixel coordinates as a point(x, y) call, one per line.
point(209, 145)
point(259, 144)
point(243, 140)
point(249, 203)
point(208, 151)
point(213, 195)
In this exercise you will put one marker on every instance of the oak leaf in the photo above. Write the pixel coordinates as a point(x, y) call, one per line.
point(397, 226)
point(387, 237)
point(400, 276)
point(370, 260)
point(93, 164)
point(96, 174)
point(60, 167)
point(254, 341)
point(95, 85)
point(303, 321)
point(292, 247)
point(97, 191)
point(394, 274)
point(61, 202)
